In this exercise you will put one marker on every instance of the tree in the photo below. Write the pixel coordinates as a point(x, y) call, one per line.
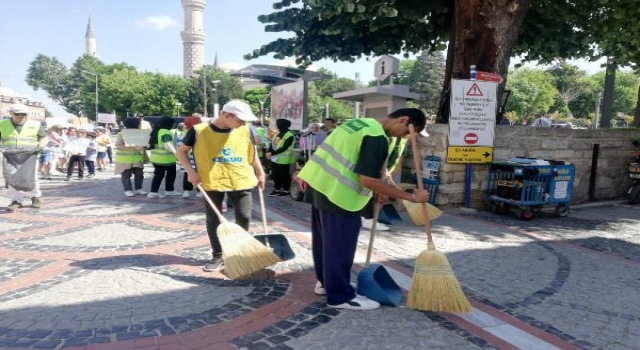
point(481, 32)
point(52, 76)
point(227, 88)
point(427, 76)
point(254, 96)
point(532, 91)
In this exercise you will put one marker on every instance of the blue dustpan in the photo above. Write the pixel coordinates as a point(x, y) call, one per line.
point(375, 283)
point(389, 215)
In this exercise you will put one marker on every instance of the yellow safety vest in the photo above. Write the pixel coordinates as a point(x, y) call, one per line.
point(159, 155)
point(28, 136)
point(285, 157)
point(330, 169)
point(224, 161)
point(400, 147)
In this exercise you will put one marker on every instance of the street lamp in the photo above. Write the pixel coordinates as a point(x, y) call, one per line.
point(262, 108)
point(178, 105)
point(96, 76)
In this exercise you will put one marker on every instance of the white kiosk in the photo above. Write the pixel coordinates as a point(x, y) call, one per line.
point(380, 100)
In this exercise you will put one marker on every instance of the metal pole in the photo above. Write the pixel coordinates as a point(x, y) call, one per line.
point(96, 97)
point(204, 83)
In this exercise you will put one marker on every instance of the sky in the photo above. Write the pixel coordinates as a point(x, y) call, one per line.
point(142, 33)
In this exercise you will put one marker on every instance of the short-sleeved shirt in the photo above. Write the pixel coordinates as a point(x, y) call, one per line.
point(373, 153)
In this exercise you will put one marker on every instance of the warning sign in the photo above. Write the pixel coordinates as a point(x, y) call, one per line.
point(474, 90)
point(473, 113)
point(475, 155)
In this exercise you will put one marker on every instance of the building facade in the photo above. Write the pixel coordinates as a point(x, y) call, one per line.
point(9, 97)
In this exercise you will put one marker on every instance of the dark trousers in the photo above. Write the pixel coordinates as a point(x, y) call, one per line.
point(158, 174)
point(110, 154)
point(138, 178)
point(334, 239)
point(281, 176)
point(186, 184)
point(241, 200)
point(91, 166)
point(72, 161)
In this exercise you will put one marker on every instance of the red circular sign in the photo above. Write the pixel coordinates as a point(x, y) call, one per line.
point(470, 138)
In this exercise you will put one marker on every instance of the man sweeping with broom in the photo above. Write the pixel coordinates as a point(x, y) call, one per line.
point(226, 162)
point(342, 175)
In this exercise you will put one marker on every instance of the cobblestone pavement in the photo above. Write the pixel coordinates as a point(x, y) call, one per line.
point(93, 269)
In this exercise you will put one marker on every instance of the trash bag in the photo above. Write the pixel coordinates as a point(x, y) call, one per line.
point(19, 168)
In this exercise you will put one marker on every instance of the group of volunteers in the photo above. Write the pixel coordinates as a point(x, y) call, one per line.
point(61, 150)
point(346, 172)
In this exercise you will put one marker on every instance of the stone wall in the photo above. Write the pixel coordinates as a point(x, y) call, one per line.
point(575, 146)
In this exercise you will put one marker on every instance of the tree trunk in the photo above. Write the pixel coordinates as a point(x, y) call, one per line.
point(483, 33)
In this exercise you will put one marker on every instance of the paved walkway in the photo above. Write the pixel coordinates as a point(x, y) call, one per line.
point(93, 269)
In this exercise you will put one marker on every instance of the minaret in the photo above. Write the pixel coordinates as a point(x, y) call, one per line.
point(192, 36)
point(91, 46)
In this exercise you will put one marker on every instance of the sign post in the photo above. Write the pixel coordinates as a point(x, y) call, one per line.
point(472, 124)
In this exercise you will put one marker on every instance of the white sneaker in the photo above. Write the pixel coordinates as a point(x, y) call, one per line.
point(172, 193)
point(129, 193)
point(186, 194)
point(141, 191)
point(358, 303)
point(199, 195)
point(366, 225)
point(319, 289)
point(155, 195)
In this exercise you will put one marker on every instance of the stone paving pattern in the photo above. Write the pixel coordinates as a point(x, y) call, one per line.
point(97, 270)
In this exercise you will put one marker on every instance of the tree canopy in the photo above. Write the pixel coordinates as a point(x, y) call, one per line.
point(481, 32)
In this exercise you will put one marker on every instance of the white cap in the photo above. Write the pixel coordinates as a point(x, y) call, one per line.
point(240, 109)
point(19, 109)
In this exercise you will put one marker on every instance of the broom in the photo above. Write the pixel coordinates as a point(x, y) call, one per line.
point(434, 286)
point(243, 255)
point(416, 214)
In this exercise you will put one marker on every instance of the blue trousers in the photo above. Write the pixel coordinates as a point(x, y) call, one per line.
point(334, 239)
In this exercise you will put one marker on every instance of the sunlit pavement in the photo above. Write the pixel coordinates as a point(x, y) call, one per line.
point(94, 269)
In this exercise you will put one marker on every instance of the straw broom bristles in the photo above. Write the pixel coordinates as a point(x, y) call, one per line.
point(243, 255)
point(434, 287)
point(415, 212)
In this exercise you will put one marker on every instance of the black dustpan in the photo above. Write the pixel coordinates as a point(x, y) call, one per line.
point(278, 243)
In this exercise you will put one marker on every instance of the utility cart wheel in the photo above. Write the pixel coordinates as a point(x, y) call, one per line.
point(525, 214)
point(500, 208)
point(561, 210)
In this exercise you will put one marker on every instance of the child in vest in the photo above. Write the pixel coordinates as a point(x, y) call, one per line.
point(187, 187)
point(281, 155)
point(130, 161)
point(76, 149)
point(164, 162)
point(91, 155)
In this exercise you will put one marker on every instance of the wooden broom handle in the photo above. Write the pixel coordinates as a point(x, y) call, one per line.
point(169, 147)
point(372, 232)
point(417, 164)
point(264, 218)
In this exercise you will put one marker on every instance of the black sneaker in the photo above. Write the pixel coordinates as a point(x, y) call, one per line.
point(274, 193)
point(14, 206)
point(283, 194)
point(214, 264)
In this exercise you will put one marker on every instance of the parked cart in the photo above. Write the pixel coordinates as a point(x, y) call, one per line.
point(527, 188)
